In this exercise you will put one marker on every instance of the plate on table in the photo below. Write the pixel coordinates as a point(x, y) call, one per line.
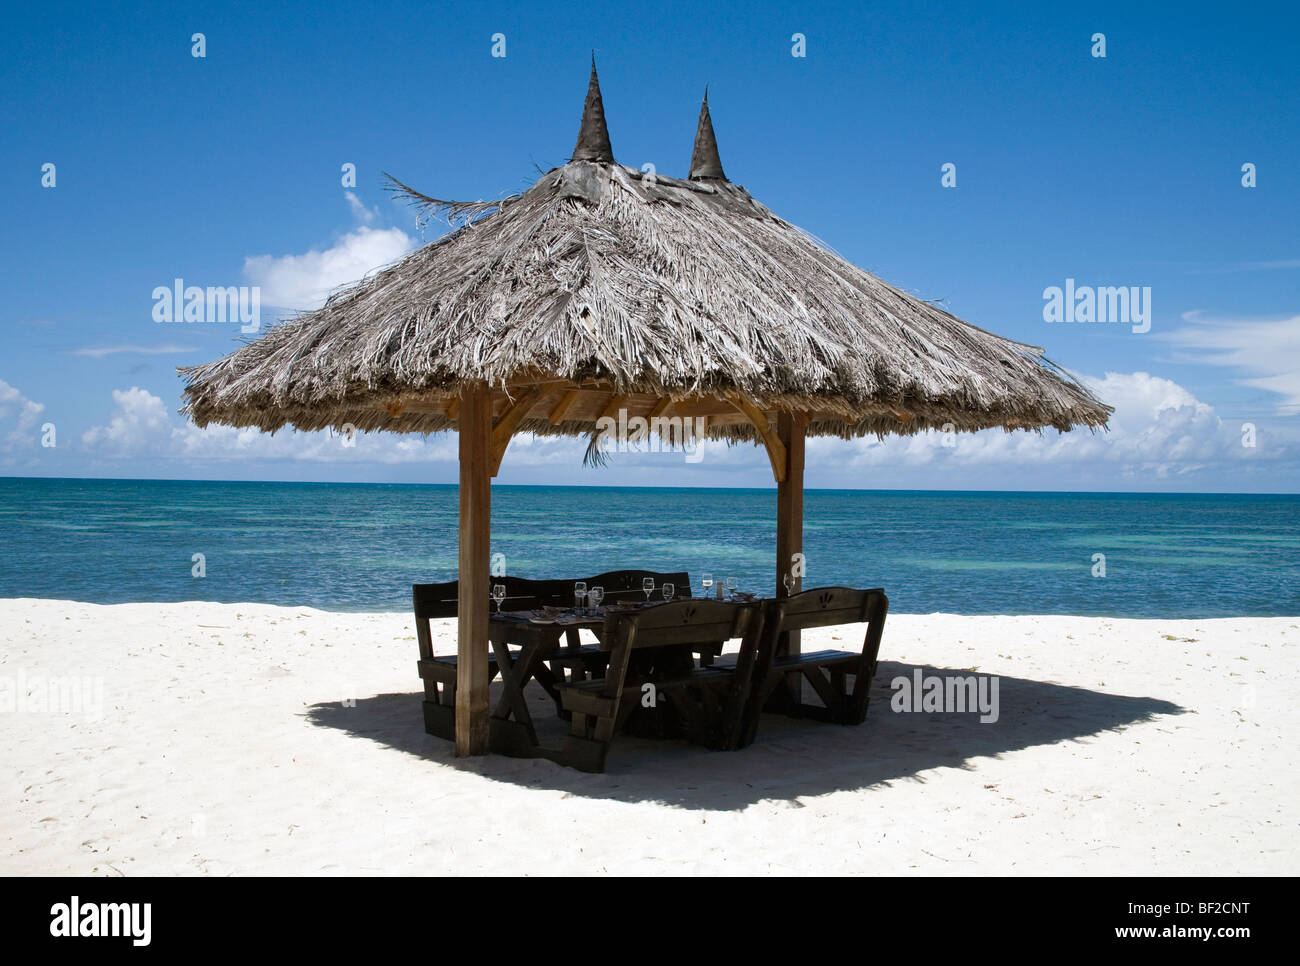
point(547, 615)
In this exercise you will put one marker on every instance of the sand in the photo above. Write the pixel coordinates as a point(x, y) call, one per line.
point(245, 739)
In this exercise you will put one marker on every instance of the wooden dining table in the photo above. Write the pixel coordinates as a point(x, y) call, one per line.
point(538, 642)
point(541, 638)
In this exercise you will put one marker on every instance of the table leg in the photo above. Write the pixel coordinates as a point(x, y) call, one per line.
point(513, 679)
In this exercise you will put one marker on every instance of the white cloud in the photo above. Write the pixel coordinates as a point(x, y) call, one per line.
point(1158, 429)
point(304, 281)
point(141, 427)
point(360, 212)
point(1265, 351)
point(19, 416)
point(98, 352)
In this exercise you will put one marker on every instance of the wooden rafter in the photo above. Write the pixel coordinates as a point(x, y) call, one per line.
point(562, 408)
point(616, 402)
point(702, 407)
point(776, 451)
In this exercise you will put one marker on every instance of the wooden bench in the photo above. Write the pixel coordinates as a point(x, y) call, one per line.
point(708, 702)
point(778, 678)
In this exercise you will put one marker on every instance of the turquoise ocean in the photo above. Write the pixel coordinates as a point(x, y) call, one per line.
point(361, 546)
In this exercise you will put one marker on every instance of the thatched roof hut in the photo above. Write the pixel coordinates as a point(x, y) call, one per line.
point(601, 290)
point(637, 289)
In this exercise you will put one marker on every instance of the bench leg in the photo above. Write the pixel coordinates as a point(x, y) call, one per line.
point(440, 720)
point(584, 754)
point(856, 712)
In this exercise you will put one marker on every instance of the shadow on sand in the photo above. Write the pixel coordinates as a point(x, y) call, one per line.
point(789, 759)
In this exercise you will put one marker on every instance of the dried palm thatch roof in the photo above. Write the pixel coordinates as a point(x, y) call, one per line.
point(603, 288)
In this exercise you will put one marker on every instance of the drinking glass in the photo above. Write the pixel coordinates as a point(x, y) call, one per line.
point(596, 595)
point(579, 595)
point(788, 580)
point(707, 581)
point(668, 591)
point(648, 585)
point(732, 584)
point(498, 594)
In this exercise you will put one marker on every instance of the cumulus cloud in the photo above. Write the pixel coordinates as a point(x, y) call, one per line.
point(1265, 351)
point(140, 426)
point(19, 417)
point(300, 282)
point(1159, 431)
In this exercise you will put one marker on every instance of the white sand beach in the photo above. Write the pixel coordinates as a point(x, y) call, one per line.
point(245, 739)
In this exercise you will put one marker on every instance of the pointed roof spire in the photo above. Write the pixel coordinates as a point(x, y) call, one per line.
point(705, 162)
point(593, 136)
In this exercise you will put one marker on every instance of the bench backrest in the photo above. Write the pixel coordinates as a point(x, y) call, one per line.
point(441, 600)
point(432, 601)
point(680, 622)
point(523, 593)
point(625, 585)
point(825, 607)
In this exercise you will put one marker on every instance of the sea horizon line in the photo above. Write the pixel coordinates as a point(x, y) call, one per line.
point(656, 486)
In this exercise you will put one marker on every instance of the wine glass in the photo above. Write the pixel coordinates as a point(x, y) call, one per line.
point(499, 595)
point(707, 581)
point(648, 585)
point(596, 595)
point(732, 584)
point(788, 580)
point(668, 591)
point(579, 595)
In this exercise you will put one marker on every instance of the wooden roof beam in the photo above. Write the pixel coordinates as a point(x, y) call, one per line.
point(563, 406)
point(616, 402)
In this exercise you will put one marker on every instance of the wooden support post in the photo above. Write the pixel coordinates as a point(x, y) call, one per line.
point(790, 429)
point(472, 708)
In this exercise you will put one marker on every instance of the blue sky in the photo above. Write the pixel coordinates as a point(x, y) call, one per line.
point(225, 170)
